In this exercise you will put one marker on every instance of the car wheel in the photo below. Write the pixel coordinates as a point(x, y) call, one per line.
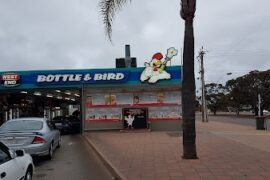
point(28, 174)
point(50, 155)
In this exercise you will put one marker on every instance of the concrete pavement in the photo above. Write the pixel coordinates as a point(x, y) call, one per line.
point(225, 151)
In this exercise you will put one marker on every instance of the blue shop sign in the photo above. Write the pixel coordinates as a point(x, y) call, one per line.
point(94, 77)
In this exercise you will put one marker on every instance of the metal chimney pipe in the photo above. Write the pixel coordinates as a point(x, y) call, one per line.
point(127, 58)
point(127, 51)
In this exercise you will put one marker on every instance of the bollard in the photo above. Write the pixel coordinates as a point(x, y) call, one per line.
point(260, 121)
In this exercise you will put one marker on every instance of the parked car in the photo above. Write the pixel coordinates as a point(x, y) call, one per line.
point(63, 124)
point(75, 124)
point(15, 165)
point(35, 136)
point(67, 124)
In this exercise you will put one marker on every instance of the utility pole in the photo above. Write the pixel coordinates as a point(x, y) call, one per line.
point(204, 105)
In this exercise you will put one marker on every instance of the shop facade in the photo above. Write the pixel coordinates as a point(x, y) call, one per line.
point(109, 98)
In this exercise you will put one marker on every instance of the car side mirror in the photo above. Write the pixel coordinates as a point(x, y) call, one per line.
point(19, 153)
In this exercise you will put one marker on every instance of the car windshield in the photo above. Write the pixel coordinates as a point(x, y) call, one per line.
point(58, 118)
point(22, 125)
point(73, 119)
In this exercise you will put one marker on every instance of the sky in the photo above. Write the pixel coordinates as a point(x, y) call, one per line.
point(69, 34)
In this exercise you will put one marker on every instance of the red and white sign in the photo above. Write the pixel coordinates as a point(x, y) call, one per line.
point(10, 79)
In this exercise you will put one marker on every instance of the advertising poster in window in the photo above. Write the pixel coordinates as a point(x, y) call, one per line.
point(94, 99)
point(165, 113)
point(115, 113)
point(173, 97)
point(103, 114)
point(160, 97)
point(106, 99)
point(136, 99)
point(90, 114)
point(123, 98)
point(89, 101)
point(110, 99)
point(147, 98)
point(135, 118)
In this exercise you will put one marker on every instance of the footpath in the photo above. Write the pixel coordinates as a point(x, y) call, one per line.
point(225, 151)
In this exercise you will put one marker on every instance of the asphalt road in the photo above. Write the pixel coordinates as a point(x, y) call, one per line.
point(74, 160)
point(248, 121)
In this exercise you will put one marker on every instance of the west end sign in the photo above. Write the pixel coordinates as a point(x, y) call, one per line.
point(10, 79)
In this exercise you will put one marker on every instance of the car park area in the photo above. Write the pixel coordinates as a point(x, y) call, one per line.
point(36, 136)
point(47, 103)
point(74, 160)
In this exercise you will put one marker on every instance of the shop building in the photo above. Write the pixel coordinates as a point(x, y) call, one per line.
point(107, 98)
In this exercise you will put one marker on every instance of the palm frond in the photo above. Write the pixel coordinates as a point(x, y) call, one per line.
point(108, 8)
point(188, 8)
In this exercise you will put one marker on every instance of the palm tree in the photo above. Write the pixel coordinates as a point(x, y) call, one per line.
point(188, 8)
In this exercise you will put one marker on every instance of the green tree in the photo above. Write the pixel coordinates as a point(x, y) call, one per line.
point(188, 8)
point(235, 95)
point(244, 90)
point(216, 97)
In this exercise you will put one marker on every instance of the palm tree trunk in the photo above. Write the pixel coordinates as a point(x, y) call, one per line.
point(188, 94)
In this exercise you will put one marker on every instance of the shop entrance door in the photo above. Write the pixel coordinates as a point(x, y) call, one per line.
point(135, 118)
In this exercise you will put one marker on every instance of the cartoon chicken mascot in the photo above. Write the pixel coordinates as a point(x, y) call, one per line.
point(156, 69)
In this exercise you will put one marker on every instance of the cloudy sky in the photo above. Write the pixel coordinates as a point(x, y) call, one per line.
point(69, 34)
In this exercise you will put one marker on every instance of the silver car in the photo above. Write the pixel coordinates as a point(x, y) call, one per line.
point(35, 136)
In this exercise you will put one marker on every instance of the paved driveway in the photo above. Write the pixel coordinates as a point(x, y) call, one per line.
point(73, 161)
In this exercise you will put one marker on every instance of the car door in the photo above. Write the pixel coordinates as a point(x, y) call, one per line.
point(57, 137)
point(53, 133)
point(9, 168)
